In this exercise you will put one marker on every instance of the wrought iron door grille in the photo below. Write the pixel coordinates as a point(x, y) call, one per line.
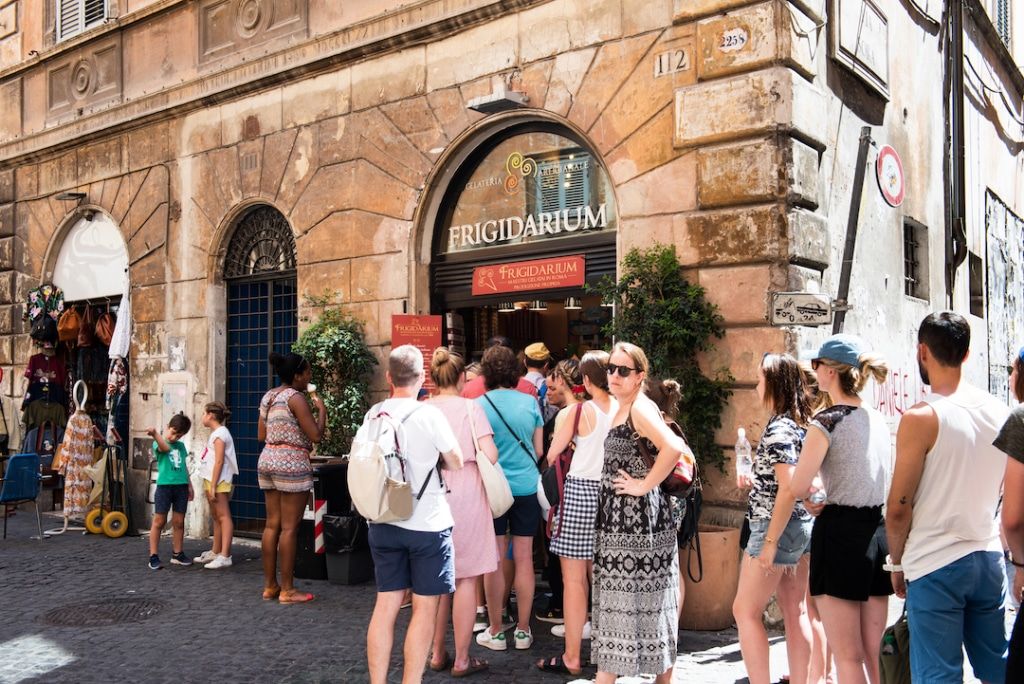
point(261, 244)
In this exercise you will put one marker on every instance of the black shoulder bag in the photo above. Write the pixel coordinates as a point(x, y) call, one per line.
point(529, 452)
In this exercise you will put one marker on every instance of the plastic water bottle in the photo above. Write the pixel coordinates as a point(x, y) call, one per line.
point(818, 497)
point(744, 462)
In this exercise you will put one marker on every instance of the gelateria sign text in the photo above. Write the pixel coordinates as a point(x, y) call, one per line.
point(514, 229)
point(525, 276)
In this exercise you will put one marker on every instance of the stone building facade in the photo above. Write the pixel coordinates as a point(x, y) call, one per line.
point(729, 128)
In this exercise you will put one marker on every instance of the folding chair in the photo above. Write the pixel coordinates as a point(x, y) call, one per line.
point(21, 484)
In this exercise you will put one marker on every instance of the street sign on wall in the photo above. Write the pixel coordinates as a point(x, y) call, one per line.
point(800, 308)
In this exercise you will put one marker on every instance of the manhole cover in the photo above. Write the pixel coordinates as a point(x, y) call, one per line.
point(103, 613)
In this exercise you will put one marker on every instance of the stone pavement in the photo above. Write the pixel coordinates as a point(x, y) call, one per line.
point(187, 624)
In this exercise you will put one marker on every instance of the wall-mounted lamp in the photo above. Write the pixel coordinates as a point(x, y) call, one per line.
point(500, 100)
point(573, 304)
point(506, 307)
point(538, 305)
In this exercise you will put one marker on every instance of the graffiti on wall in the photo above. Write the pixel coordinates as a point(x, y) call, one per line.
point(901, 390)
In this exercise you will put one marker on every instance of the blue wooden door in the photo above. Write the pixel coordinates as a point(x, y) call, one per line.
point(262, 317)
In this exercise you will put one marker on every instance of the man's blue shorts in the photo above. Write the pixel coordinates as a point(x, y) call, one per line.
point(959, 604)
point(424, 561)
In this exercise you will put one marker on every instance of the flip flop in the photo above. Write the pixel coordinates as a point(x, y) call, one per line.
point(294, 597)
point(271, 594)
point(556, 665)
point(475, 665)
point(444, 665)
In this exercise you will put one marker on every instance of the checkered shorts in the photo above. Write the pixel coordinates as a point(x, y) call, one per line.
point(573, 530)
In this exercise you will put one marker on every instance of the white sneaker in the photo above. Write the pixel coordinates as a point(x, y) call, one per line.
point(481, 621)
point(524, 639)
point(219, 562)
point(205, 557)
point(559, 630)
point(495, 642)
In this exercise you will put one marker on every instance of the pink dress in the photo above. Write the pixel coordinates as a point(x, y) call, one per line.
point(476, 550)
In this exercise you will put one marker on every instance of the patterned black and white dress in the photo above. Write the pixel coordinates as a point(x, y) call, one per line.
point(636, 577)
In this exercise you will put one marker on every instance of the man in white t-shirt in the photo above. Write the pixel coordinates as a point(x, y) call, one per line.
point(416, 553)
point(941, 524)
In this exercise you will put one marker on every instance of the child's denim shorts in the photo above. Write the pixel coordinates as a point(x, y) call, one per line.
point(794, 542)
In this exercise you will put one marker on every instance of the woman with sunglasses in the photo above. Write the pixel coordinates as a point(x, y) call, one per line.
point(1011, 442)
point(636, 577)
point(850, 444)
point(780, 527)
point(287, 426)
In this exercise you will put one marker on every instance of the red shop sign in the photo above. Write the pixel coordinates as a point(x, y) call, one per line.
point(423, 332)
point(524, 276)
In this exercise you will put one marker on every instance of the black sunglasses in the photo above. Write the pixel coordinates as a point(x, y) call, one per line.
point(623, 371)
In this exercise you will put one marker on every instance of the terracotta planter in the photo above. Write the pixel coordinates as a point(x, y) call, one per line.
point(708, 604)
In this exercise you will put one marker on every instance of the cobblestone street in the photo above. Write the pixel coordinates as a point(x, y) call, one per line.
point(187, 624)
point(212, 626)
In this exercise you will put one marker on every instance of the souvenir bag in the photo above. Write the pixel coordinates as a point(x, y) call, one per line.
point(105, 325)
point(379, 496)
point(677, 482)
point(43, 440)
point(68, 325)
point(87, 328)
point(499, 494)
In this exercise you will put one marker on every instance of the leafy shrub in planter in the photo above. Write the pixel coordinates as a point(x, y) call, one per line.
point(669, 317)
point(342, 365)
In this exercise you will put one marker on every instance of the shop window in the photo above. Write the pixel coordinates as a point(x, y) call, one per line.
point(75, 16)
point(977, 284)
point(915, 259)
point(530, 188)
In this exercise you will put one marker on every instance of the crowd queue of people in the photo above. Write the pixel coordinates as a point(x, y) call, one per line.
point(834, 524)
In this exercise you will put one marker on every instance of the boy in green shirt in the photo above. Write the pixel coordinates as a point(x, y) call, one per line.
point(173, 489)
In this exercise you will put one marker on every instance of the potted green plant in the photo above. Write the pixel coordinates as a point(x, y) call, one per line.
point(670, 318)
point(335, 345)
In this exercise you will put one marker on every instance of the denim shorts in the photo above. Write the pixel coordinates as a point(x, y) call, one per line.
point(794, 542)
point(169, 497)
point(424, 561)
point(522, 519)
point(959, 604)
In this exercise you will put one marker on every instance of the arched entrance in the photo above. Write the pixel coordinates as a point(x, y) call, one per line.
point(526, 222)
point(259, 271)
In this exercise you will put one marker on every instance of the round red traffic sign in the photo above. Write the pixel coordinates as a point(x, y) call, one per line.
point(889, 170)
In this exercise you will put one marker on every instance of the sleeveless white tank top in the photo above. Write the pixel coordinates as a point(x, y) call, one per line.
point(588, 461)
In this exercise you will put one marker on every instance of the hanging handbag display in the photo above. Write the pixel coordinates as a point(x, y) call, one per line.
point(105, 325)
point(68, 325)
point(678, 481)
point(87, 328)
point(499, 494)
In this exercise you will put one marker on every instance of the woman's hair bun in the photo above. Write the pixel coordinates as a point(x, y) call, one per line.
point(440, 357)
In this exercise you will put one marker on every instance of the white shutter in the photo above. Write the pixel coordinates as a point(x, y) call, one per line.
point(75, 16)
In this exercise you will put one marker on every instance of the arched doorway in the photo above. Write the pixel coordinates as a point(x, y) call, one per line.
point(262, 316)
point(527, 221)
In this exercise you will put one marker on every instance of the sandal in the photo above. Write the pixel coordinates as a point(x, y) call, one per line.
point(294, 596)
point(556, 665)
point(271, 594)
point(445, 664)
point(475, 665)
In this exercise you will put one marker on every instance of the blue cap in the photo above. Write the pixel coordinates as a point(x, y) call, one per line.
point(842, 348)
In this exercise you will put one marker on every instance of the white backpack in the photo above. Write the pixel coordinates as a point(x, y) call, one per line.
point(376, 470)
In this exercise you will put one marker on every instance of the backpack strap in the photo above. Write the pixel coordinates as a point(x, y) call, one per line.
point(437, 468)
